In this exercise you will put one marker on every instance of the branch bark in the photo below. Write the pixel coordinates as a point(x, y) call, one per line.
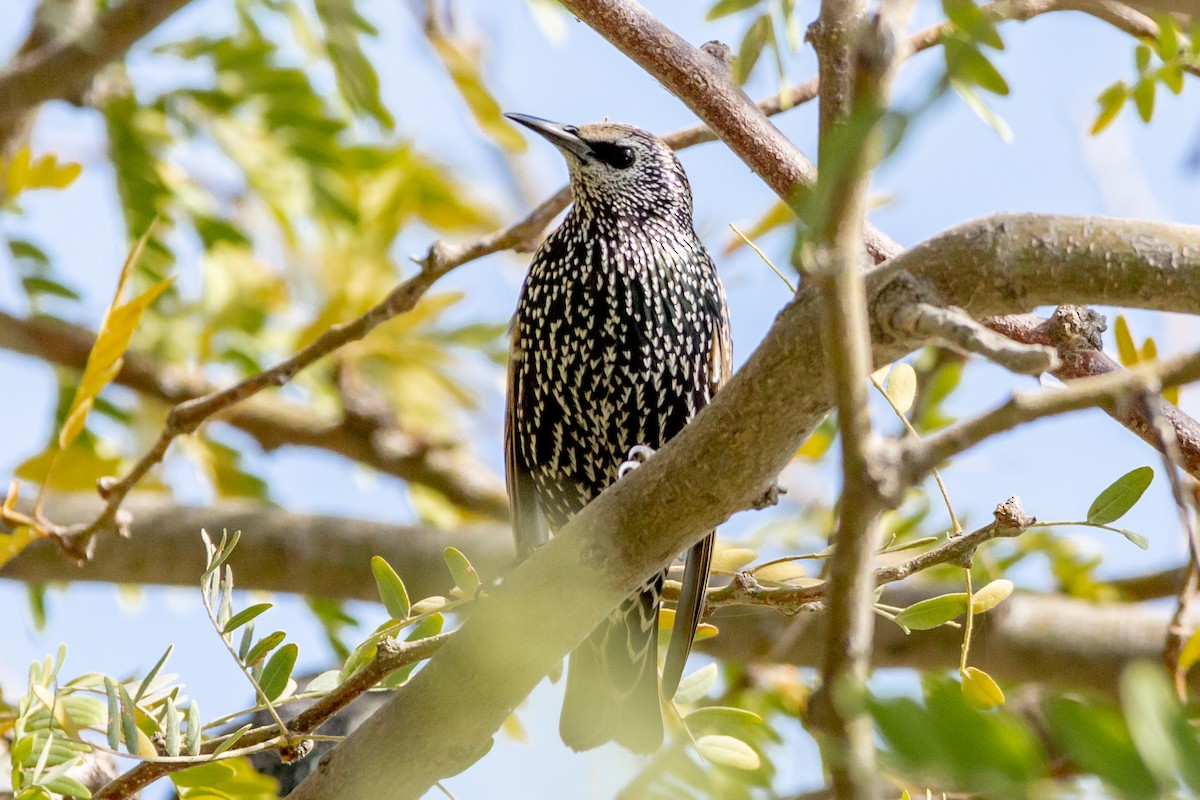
point(63, 69)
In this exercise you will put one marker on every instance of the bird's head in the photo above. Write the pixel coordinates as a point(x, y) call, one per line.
point(619, 169)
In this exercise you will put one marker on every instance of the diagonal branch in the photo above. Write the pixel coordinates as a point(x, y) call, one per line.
point(722, 462)
point(63, 69)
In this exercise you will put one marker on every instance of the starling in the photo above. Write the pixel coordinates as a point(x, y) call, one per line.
point(621, 335)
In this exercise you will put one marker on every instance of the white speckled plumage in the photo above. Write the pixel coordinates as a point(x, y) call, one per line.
point(621, 336)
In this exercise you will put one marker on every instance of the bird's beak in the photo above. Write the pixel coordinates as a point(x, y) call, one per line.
point(557, 134)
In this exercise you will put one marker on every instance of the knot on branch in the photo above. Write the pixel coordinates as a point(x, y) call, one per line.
point(290, 752)
point(720, 52)
point(1075, 328)
point(1011, 519)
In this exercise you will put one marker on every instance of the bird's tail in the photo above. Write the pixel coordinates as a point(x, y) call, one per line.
point(612, 680)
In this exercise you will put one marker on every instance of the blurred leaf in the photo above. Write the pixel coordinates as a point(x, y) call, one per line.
point(23, 173)
point(759, 34)
point(777, 215)
point(731, 559)
point(981, 109)
point(973, 22)
point(819, 442)
point(1161, 733)
point(933, 611)
point(1111, 101)
point(728, 751)
point(222, 465)
point(464, 72)
point(1127, 351)
point(1097, 740)
point(551, 19)
point(694, 686)
point(356, 77)
point(1143, 98)
point(902, 387)
point(391, 588)
point(781, 572)
point(106, 357)
point(1141, 56)
point(76, 469)
point(1137, 538)
point(233, 778)
point(1112, 503)
point(966, 64)
point(723, 8)
point(1190, 653)
point(980, 689)
point(1172, 77)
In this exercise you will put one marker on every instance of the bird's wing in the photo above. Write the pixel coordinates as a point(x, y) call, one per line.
point(529, 525)
point(690, 608)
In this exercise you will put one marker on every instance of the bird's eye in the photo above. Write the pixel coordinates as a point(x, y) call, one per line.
point(571, 129)
point(615, 155)
point(622, 157)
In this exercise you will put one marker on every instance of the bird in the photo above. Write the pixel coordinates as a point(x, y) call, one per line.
point(621, 335)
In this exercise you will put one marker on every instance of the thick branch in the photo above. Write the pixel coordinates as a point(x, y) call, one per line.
point(62, 70)
point(280, 551)
point(273, 422)
point(720, 463)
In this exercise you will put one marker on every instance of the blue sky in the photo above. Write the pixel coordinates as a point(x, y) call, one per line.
point(951, 168)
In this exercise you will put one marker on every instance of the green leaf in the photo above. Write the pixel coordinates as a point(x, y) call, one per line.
point(760, 32)
point(1168, 38)
point(1097, 739)
point(728, 752)
point(968, 18)
point(1143, 98)
point(232, 740)
point(933, 611)
point(391, 588)
point(1112, 503)
point(465, 576)
point(145, 684)
point(214, 773)
point(266, 645)
point(193, 729)
point(724, 8)
point(242, 617)
point(278, 670)
point(1161, 733)
point(966, 64)
point(171, 721)
point(1136, 538)
point(66, 785)
point(696, 685)
point(1111, 101)
point(114, 714)
point(356, 76)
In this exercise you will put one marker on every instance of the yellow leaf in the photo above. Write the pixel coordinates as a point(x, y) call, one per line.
point(1126, 349)
point(465, 73)
point(75, 469)
point(731, 559)
point(980, 690)
point(515, 730)
point(902, 387)
point(1171, 395)
point(1188, 656)
point(780, 571)
point(13, 543)
point(991, 595)
point(705, 630)
point(116, 332)
point(16, 174)
point(1149, 349)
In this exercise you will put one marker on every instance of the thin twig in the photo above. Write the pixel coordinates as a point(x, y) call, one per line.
point(390, 656)
point(953, 328)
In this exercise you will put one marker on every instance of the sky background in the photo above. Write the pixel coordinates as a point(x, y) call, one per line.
point(950, 169)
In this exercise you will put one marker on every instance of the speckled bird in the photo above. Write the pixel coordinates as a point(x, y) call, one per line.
point(621, 336)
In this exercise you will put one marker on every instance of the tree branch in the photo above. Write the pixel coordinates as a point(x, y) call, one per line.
point(274, 422)
point(63, 69)
point(952, 328)
point(721, 463)
point(1075, 333)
